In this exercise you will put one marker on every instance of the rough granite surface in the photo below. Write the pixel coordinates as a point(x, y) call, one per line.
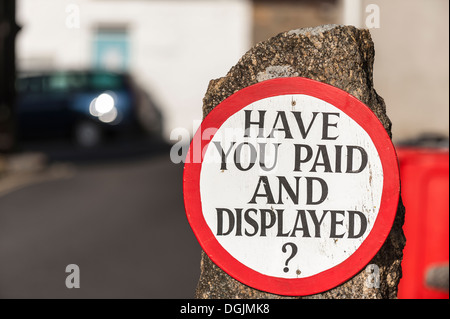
point(341, 56)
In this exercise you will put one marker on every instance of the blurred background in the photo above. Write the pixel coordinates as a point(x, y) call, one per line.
point(91, 90)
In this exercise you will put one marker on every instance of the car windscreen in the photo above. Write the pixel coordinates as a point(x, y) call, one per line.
point(106, 81)
point(65, 82)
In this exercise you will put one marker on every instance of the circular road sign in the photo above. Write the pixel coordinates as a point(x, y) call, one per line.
point(291, 186)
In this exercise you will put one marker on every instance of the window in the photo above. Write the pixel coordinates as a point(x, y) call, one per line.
point(111, 49)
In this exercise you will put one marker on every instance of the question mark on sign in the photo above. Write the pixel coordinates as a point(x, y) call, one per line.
point(293, 253)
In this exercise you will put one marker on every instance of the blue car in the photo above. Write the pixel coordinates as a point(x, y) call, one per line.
point(86, 106)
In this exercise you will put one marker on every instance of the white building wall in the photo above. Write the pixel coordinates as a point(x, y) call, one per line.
point(176, 47)
point(412, 65)
point(411, 70)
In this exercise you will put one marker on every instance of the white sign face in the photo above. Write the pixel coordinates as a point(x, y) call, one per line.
point(310, 179)
point(295, 187)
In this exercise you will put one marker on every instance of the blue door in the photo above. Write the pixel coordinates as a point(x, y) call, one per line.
point(111, 50)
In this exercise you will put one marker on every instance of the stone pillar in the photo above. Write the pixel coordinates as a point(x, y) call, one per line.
point(341, 56)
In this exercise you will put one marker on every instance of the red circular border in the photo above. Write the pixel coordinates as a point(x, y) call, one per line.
point(338, 274)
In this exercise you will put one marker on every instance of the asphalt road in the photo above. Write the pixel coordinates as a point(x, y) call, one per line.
point(118, 215)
